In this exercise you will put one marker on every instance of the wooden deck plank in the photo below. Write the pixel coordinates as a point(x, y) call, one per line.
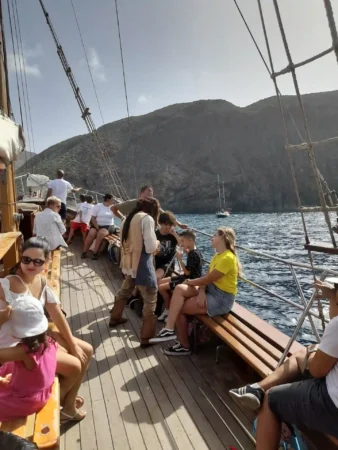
point(138, 398)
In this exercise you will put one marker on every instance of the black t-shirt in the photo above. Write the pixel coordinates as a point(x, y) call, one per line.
point(194, 264)
point(167, 250)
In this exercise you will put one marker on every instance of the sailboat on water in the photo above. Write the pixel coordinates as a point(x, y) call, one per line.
point(221, 213)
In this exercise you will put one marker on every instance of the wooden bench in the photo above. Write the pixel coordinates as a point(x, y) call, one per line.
point(259, 344)
point(112, 238)
point(43, 428)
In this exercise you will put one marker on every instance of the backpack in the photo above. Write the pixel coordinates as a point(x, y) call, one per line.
point(291, 438)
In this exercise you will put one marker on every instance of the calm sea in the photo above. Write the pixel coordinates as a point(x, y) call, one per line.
point(279, 235)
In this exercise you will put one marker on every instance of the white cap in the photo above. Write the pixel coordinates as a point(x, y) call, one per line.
point(27, 318)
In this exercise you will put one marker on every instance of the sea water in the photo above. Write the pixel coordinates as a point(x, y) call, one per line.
point(279, 235)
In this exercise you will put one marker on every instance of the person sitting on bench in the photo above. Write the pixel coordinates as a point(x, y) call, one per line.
point(213, 294)
point(192, 270)
point(303, 391)
point(73, 355)
point(28, 367)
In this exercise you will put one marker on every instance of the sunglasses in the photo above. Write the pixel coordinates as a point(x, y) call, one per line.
point(37, 262)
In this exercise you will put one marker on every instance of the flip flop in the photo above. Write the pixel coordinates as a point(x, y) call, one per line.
point(74, 418)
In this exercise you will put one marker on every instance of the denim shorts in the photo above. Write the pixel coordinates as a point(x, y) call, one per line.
point(306, 404)
point(218, 302)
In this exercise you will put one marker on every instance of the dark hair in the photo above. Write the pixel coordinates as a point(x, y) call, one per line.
point(167, 218)
point(34, 342)
point(37, 242)
point(107, 197)
point(89, 199)
point(13, 442)
point(82, 198)
point(149, 206)
point(60, 173)
point(189, 234)
point(144, 188)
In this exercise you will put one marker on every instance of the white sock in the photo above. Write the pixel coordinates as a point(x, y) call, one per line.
point(255, 386)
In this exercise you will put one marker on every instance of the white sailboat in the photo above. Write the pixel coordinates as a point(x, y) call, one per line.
point(221, 213)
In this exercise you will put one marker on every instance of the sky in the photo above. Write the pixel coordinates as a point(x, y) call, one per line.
point(174, 51)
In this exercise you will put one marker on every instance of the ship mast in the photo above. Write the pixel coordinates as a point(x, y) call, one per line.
point(7, 187)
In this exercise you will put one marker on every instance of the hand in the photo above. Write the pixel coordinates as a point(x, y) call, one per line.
point(5, 314)
point(79, 353)
point(6, 380)
point(179, 255)
point(201, 299)
point(325, 289)
point(184, 226)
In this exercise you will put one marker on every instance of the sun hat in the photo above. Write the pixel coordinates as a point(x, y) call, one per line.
point(27, 318)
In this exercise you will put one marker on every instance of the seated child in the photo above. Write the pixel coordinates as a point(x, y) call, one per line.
point(28, 368)
point(168, 239)
point(192, 270)
point(82, 219)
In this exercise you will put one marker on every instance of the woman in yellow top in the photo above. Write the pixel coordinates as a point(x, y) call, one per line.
point(213, 294)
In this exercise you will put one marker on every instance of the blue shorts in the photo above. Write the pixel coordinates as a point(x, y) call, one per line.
point(218, 302)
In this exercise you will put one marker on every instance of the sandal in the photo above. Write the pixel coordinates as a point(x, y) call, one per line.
point(75, 418)
point(79, 402)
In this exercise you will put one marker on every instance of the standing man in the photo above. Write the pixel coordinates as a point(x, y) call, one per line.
point(125, 208)
point(60, 188)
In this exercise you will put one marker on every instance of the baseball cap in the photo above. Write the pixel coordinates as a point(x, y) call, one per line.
point(27, 318)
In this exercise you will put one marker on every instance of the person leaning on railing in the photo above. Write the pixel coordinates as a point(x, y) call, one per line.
point(304, 390)
point(213, 294)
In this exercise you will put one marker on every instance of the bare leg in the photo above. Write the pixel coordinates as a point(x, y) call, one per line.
point(159, 274)
point(70, 236)
point(69, 369)
point(89, 240)
point(69, 406)
point(181, 293)
point(165, 291)
point(268, 428)
point(190, 308)
point(102, 233)
point(286, 373)
point(164, 281)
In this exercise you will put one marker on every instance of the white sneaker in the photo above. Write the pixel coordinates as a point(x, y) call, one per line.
point(164, 316)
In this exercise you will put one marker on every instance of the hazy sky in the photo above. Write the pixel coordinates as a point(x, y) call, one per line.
point(174, 51)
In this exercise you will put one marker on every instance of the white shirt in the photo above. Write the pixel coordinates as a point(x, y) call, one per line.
point(149, 237)
point(329, 345)
point(86, 209)
point(47, 295)
point(48, 224)
point(60, 189)
point(103, 214)
point(78, 206)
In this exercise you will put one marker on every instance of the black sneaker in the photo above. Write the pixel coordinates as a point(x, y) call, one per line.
point(95, 256)
point(163, 336)
point(177, 350)
point(84, 255)
point(248, 396)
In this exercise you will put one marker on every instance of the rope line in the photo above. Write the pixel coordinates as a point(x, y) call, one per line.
point(87, 60)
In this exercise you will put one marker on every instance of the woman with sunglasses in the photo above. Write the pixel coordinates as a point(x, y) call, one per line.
point(73, 355)
point(213, 294)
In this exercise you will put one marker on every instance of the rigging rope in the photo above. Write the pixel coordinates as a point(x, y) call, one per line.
point(127, 101)
point(87, 60)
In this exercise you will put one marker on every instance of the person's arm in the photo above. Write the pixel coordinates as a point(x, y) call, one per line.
point(148, 232)
point(60, 224)
point(208, 278)
point(181, 225)
point(76, 189)
point(5, 314)
point(49, 193)
point(116, 211)
point(176, 236)
point(94, 222)
point(327, 290)
point(12, 354)
point(182, 265)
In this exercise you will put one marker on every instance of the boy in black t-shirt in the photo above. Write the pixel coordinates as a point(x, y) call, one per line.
point(168, 238)
point(192, 270)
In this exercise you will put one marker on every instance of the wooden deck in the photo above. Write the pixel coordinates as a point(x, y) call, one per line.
point(139, 398)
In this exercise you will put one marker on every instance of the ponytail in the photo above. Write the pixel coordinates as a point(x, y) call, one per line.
point(229, 237)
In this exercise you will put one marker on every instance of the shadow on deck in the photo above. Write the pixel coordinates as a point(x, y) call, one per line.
point(140, 398)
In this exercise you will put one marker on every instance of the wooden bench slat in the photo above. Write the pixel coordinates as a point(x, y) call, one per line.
point(17, 427)
point(267, 331)
point(252, 335)
point(47, 423)
point(239, 348)
point(250, 345)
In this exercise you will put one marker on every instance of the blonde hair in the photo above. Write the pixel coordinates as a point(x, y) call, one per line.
point(52, 200)
point(229, 237)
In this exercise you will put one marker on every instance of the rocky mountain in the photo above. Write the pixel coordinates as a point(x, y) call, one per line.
point(180, 150)
point(23, 158)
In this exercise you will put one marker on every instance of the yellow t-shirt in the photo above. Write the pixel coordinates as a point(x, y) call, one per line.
point(226, 263)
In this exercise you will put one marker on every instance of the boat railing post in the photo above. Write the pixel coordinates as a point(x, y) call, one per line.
point(300, 322)
point(302, 296)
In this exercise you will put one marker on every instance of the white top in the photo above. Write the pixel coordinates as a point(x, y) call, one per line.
point(78, 206)
point(6, 338)
point(103, 214)
point(86, 209)
point(60, 189)
point(329, 345)
point(48, 224)
point(149, 238)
